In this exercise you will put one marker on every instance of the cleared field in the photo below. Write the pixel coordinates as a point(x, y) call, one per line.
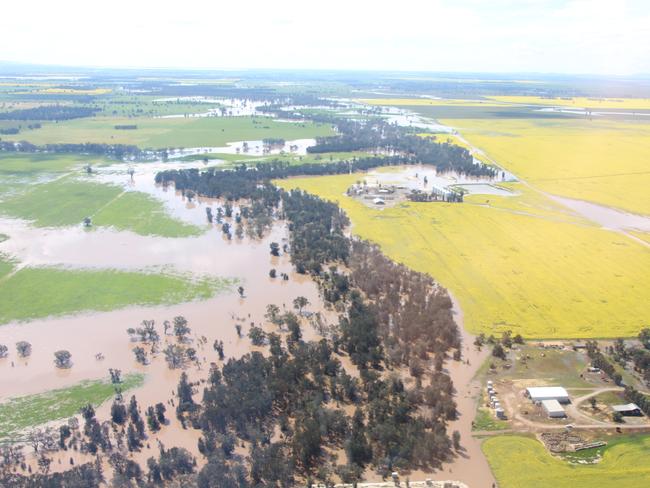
point(554, 367)
point(579, 102)
point(605, 162)
point(516, 263)
point(32, 293)
point(6, 266)
point(144, 215)
point(522, 462)
point(30, 411)
point(68, 201)
point(34, 164)
point(486, 421)
point(172, 132)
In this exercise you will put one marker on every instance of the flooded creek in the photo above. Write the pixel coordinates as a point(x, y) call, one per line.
point(87, 334)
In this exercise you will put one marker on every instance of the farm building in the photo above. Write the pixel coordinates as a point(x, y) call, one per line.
point(539, 394)
point(378, 201)
point(553, 409)
point(500, 413)
point(631, 409)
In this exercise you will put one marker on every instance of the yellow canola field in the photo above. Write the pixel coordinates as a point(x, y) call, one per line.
point(578, 102)
point(517, 263)
point(522, 462)
point(605, 162)
point(438, 102)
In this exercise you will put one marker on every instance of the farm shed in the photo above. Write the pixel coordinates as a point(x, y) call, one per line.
point(631, 409)
point(553, 409)
point(539, 394)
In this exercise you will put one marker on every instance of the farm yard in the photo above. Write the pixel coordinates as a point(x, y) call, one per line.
point(487, 252)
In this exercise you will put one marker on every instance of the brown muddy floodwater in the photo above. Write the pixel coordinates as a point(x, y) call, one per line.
point(87, 334)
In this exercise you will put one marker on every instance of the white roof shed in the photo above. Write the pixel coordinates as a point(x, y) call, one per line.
point(630, 409)
point(553, 408)
point(539, 394)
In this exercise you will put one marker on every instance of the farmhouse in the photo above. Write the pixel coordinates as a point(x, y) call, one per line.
point(539, 394)
point(553, 409)
point(631, 409)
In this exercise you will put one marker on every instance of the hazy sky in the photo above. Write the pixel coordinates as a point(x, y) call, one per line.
point(561, 36)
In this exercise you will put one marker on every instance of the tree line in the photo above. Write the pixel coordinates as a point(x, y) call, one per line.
point(50, 112)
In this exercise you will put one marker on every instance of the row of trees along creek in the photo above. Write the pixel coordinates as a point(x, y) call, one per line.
point(275, 419)
point(392, 319)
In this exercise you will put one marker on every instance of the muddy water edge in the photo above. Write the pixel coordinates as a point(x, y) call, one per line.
point(249, 261)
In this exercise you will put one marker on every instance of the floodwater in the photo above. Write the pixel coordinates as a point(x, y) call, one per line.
point(251, 148)
point(590, 113)
point(228, 107)
point(407, 118)
point(470, 466)
point(89, 333)
point(413, 178)
point(609, 218)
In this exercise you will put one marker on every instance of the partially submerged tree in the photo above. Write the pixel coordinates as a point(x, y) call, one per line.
point(174, 355)
point(181, 329)
point(24, 349)
point(62, 359)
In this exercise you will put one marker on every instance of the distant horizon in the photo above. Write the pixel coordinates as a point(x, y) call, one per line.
point(463, 73)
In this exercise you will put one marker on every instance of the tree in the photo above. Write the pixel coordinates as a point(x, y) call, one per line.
point(116, 375)
point(506, 339)
point(644, 337)
point(218, 346)
point(62, 359)
point(257, 336)
point(148, 331)
point(592, 401)
point(240, 290)
point(24, 349)
point(118, 412)
point(140, 354)
point(275, 249)
point(617, 417)
point(455, 436)
point(133, 439)
point(357, 447)
point(273, 314)
point(174, 355)
point(299, 303)
point(273, 273)
point(190, 352)
point(184, 393)
point(160, 413)
point(181, 329)
point(498, 351)
point(4, 351)
point(152, 420)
